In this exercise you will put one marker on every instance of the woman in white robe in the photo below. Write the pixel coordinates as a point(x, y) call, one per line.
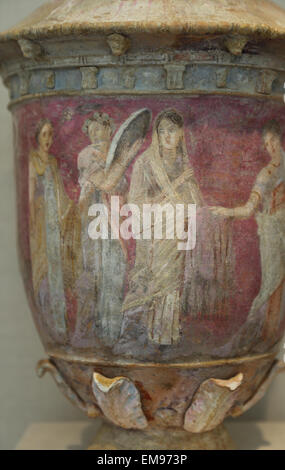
point(162, 175)
point(101, 284)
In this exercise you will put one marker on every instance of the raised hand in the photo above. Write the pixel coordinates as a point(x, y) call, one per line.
point(132, 151)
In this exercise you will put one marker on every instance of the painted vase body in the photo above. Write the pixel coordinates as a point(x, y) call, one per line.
point(177, 335)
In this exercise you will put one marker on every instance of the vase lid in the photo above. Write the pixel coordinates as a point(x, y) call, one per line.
point(254, 18)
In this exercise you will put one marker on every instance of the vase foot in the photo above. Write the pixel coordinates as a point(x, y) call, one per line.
point(110, 437)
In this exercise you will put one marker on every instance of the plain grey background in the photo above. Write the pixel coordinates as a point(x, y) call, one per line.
point(24, 398)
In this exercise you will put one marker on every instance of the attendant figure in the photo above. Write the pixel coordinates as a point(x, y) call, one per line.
point(51, 216)
point(267, 204)
point(101, 285)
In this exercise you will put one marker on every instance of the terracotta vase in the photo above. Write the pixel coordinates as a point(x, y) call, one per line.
point(121, 109)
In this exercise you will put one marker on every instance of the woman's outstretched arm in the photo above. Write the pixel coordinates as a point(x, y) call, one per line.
point(256, 196)
point(241, 212)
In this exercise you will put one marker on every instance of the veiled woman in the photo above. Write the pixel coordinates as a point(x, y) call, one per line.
point(162, 175)
point(267, 204)
point(52, 226)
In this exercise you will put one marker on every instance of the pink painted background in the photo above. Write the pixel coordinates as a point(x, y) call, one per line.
point(225, 148)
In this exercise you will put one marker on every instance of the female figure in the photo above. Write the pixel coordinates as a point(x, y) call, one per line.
point(49, 209)
point(101, 286)
point(267, 203)
point(162, 175)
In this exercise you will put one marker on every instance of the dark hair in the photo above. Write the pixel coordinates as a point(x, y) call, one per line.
point(170, 115)
point(101, 118)
point(272, 127)
point(40, 126)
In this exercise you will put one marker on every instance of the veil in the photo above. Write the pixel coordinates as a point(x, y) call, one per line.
point(169, 188)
